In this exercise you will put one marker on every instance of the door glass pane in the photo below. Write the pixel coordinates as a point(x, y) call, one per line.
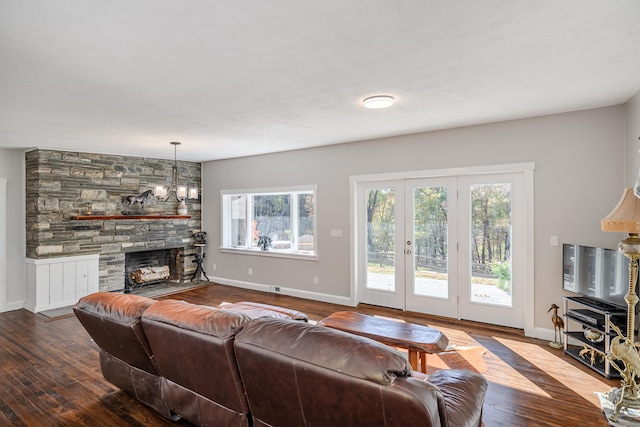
point(381, 224)
point(430, 242)
point(491, 244)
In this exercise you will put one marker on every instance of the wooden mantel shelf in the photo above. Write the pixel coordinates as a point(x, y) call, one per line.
point(125, 217)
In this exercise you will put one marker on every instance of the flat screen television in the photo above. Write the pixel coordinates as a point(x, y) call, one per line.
point(598, 273)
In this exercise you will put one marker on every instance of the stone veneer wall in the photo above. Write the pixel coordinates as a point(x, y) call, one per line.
point(59, 184)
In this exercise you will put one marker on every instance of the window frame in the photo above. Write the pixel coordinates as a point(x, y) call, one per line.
point(293, 192)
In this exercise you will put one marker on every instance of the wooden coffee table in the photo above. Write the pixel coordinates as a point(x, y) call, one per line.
point(417, 339)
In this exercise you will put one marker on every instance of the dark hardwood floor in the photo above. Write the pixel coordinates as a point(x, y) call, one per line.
point(50, 373)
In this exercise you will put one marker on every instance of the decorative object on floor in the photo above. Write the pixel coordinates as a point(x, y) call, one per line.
point(558, 324)
point(264, 242)
point(200, 241)
point(629, 418)
point(199, 267)
point(625, 217)
point(181, 191)
point(622, 349)
point(141, 200)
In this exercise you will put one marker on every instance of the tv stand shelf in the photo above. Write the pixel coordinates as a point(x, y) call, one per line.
point(587, 313)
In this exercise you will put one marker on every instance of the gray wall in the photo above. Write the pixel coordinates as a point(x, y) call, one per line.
point(578, 179)
point(632, 137)
point(12, 168)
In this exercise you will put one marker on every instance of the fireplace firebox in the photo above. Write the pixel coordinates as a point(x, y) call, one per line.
point(153, 266)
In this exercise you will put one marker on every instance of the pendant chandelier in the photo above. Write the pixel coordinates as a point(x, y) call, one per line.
point(181, 191)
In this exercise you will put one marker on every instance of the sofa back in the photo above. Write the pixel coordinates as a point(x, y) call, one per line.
point(113, 321)
point(126, 360)
point(296, 374)
point(193, 348)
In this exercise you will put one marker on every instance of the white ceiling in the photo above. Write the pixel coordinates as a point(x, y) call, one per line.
point(237, 78)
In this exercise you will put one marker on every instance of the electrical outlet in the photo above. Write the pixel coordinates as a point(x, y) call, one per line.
point(213, 267)
point(315, 280)
point(276, 289)
point(250, 271)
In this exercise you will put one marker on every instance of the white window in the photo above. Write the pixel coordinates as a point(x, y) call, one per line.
point(284, 218)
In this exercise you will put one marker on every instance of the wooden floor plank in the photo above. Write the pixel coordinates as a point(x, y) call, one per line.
point(50, 372)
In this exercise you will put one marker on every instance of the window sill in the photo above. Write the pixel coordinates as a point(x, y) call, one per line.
point(271, 253)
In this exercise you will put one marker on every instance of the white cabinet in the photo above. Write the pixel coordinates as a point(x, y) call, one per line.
point(59, 282)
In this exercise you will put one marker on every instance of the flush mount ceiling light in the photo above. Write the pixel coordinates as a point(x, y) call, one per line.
point(378, 101)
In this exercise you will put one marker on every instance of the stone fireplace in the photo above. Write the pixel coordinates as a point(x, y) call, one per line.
point(60, 184)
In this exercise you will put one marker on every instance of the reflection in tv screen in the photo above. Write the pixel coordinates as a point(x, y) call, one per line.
point(598, 273)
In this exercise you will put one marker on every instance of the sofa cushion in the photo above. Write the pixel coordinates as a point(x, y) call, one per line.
point(256, 310)
point(198, 318)
point(348, 354)
point(123, 308)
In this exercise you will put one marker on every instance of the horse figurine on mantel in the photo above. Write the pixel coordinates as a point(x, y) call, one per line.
point(141, 199)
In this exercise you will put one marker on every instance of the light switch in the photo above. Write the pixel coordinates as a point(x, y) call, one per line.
point(554, 240)
point(336, 233)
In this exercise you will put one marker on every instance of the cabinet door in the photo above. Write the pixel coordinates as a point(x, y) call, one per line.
point(56, 283)
point(81, 279)
point(69, 285)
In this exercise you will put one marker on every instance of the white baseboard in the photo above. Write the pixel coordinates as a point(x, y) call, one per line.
point(546, 334)
point(38, 309)
point(12, 306)
point(314, 296)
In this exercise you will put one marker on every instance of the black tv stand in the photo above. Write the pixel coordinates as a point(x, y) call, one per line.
point(582, 313)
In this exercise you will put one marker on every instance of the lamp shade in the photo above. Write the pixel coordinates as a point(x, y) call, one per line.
point(625, 217)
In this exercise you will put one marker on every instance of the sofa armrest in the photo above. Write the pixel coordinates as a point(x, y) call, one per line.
point(463, 393)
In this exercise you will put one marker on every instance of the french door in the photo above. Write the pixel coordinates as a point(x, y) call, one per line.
point(449, 246)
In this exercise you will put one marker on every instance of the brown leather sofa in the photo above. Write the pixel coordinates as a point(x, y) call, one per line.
point(325, 377)
point(223, 367)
